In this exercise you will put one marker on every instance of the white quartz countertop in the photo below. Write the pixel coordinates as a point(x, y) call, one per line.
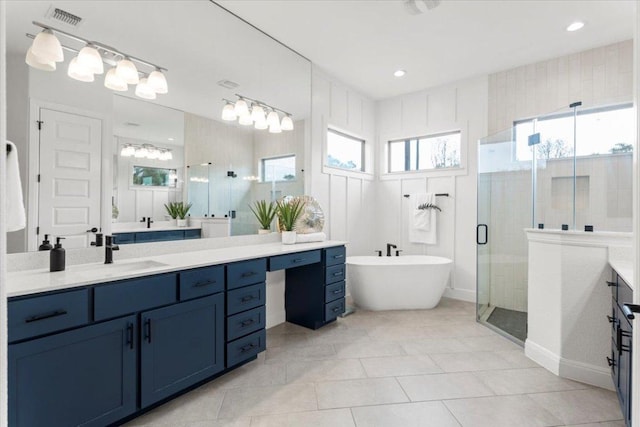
point(28, 282)
point(621, 260)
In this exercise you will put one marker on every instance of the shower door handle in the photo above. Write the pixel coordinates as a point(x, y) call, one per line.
point(486, 234)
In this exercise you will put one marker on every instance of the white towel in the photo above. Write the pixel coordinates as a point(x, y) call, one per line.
point(422, 222)
point(311, 237)
point(16, 218)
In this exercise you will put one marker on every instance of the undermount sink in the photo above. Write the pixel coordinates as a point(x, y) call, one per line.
point(117, 267)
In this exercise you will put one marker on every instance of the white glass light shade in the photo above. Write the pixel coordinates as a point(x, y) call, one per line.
point(127, 71)
point(127, 151)
point(153, 153)
point(158, 82)
point(113, 82)
point(245, 120)
point(287, 123)
point(241, 107)
point(143, 90)
point(46, 47)
point(141, 152)
point(90, 58)
point(273, 119)
point(261, 125)
point(228, 112)
point(275, 128)
point(78, 72)
point(169, 155)
point(34, 62)
point(257, 113)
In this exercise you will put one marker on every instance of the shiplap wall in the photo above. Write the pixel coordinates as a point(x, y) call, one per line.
point(348, 199)
point(459, 106)
point(599, 76)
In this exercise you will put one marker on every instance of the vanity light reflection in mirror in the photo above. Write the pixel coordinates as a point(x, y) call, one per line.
point(260, 68)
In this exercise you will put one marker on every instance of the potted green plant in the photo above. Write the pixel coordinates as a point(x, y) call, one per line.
point(172, 210)
point(288, 214)
point(264, 214)
point(182, 210)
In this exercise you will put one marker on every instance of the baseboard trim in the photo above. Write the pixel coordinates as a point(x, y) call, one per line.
point(567, 368)
point(460, 294)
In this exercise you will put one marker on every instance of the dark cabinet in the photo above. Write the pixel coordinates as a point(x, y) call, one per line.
point(181, 345)
point(86, 376)
point(156, 236)
point(621, 347)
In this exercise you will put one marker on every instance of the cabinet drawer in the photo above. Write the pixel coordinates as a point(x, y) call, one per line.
point(192, 234)
point(41, 315)
point(159, 236)
point(294, 260)
point(334, 291)
point(246, 298)
point(246, 348)
point(335, 273)
point(333, 309)
point(201, 282)
point(246, 273)
point(335, 256)
point(124, 238)
point(245, 323)
point(112, 300)
point(625, 294)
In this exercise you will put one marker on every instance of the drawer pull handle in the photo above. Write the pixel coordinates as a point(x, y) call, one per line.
point(249, 274)
point(336, 309)
point(147, 330)
point(339, 273)
point(130, 335)
point(204, 283)
point(247, 298)
point(611, 362)
point(247, 348)
point(338, 256)
point(247, 322)
point(611, 319)
point(46, 316)
point(611, 284)
point(337, 291)
point(297, 260)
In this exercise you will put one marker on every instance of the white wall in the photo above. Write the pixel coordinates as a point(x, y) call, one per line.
point(458, 106)
point(347, 198)
point(3, 198)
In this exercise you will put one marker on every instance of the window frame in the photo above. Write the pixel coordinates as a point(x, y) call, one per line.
point(283, 156)
point(363, 147)
point(407, 160)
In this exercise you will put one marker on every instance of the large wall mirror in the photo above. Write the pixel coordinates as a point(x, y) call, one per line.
point(77, 136)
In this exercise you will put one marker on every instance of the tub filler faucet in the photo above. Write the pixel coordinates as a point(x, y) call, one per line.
point(389, 246)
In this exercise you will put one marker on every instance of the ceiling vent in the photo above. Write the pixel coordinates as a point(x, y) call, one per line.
point(63, 16)
point(132, 124)
point(228, 84)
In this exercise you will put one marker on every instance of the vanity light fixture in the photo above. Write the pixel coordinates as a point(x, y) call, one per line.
point(146, 151)
point(46, 50)
point(261, 115)
point(575, 26)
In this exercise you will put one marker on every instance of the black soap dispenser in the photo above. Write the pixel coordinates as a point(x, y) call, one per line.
point(46, 245)
point(57, 257)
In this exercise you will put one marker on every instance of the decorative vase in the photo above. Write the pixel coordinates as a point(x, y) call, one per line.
point(181, 222)
point(264, 231)
point(288, 237)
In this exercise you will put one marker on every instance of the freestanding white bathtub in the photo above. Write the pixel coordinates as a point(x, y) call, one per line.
point(397, 283)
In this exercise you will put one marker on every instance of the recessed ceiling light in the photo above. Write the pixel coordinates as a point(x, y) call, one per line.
point(575, 26)
point(170, 139)
point(400, 73)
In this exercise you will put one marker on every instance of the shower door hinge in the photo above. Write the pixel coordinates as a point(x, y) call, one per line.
point(40, 122)
point(38, 177)
point(37, 231)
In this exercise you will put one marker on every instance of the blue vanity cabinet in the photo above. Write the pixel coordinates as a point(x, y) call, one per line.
point(314, 293)
point(180, 345)
point(156, 236)
point(621, 348)
point(86, 376)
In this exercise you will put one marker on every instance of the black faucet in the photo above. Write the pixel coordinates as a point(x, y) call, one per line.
point(109, 247)
point(149, 222)
point(389, 246)
point(378, 252)
point(98, 241)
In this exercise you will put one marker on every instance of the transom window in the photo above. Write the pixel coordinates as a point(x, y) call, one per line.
point(281, 168)
point(345, 151)
point(423, 153)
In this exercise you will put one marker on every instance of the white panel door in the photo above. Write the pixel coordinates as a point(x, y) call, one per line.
point(69, 191)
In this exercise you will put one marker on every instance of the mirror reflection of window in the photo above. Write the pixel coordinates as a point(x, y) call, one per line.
point(154, 177)
point(279, 169)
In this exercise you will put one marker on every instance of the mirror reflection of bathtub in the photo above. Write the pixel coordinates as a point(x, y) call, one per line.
point(397, 283)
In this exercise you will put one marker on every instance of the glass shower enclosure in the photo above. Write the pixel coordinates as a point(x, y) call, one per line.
point(562, 171)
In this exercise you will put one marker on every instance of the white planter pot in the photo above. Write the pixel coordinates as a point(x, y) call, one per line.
point(263, 231)
point(288, 237)
point(181, 222)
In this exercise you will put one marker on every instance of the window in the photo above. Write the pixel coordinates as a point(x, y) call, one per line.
point(281, 168)
point(345, 151)
point(425, 153)
point(599, 131)
point(154, 177)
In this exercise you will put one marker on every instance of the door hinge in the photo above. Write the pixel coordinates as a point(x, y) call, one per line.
point(40, 122)
point(38, 177)
point(37, 231)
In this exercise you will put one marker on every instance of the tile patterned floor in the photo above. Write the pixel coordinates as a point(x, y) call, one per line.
point(397, 368)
